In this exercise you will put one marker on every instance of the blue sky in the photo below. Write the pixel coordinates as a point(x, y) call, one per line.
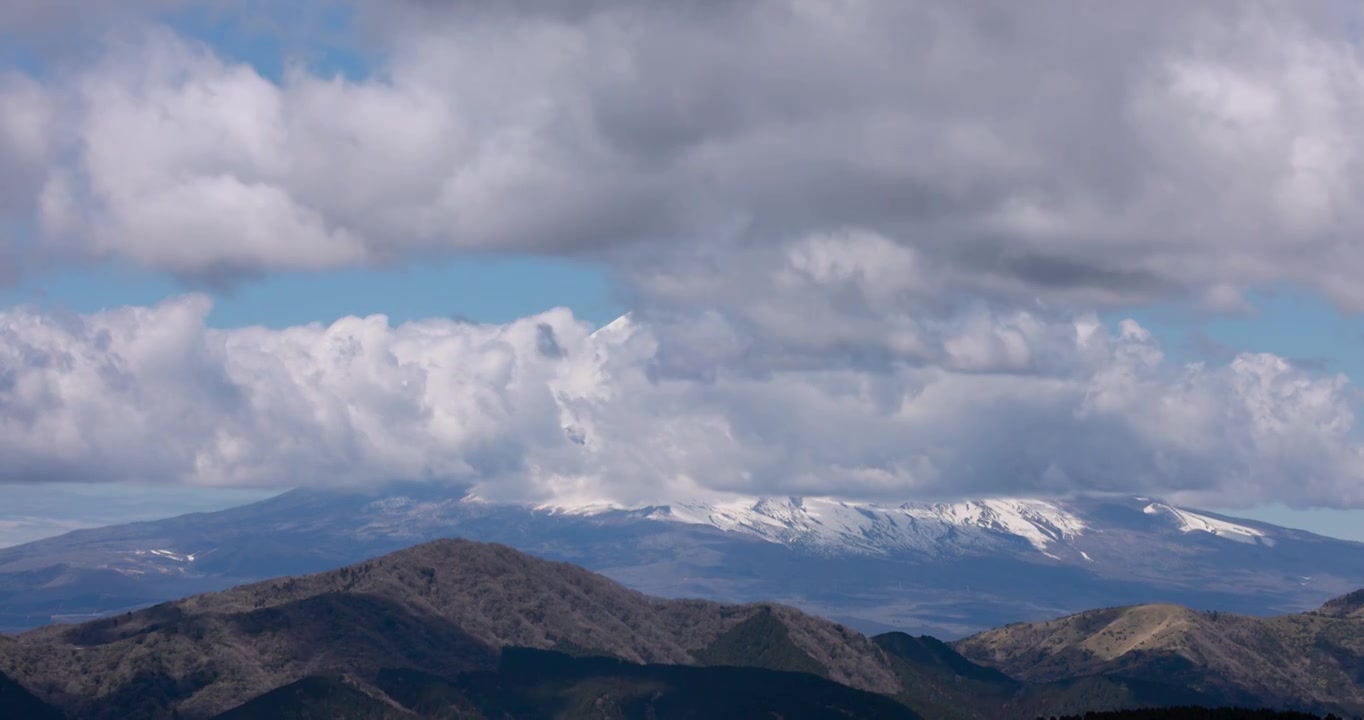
point(1288, 322)
point(1296, 324)
point(307, 162)
point(488, 289)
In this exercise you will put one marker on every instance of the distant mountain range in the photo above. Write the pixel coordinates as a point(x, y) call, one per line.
point(456, 629)
point(942, 569)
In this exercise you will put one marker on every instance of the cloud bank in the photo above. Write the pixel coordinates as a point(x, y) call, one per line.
point(864, 240)
point(544, 410)
point(1098, 157)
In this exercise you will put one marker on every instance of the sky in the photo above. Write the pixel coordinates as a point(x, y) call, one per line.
point(876, 250)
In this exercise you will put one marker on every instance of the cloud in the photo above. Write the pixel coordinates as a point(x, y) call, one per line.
point(33, 512)
point(1185, 150)
point(863, 241)
point(152, 394)
point(542, 410)
point(55, 26)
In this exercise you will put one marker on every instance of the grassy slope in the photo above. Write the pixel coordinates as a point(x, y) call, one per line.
point(1312, 660)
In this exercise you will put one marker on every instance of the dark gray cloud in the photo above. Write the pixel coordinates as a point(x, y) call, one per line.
point(1047, 149)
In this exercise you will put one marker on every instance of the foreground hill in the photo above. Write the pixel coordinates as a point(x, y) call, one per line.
point(1312, 660)
point(545, 684)
point(447, 607)
point(947, 569)
point(1199, 713)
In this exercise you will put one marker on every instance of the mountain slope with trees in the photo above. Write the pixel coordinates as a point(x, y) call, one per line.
point(457, 629)
point(448, 605)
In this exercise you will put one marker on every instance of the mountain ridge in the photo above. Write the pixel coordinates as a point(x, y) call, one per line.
point(455, 628)
point(452, 604)
point(1311, 660)
point(947, 570)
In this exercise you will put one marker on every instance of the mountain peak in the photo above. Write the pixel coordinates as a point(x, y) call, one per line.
point(834, 525)
point(617, 330)
point(452, 603)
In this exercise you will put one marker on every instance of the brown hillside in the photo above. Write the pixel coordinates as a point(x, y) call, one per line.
point(1308, 659)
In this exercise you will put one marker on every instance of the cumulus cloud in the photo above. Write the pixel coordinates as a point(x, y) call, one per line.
point(152, 394)
point(1182, 149)
point(544, 410)
point(863, 240)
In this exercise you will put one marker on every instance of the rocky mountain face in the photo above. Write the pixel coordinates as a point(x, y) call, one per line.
point(943, 569)
point(1312, 660)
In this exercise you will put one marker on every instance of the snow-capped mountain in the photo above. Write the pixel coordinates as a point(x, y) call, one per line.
point(945, 568)
point(833, 527)
point(836, 527)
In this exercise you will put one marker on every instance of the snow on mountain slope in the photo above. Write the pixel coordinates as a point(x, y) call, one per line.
point(832, 526)
point(835, 526)
point(1059, 529)
point(946, 568)
point(1039, 522)
point(1189, 521)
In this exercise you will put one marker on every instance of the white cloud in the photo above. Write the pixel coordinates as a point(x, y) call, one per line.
point(540, 410)
point(151, 394)
point(864, 241)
